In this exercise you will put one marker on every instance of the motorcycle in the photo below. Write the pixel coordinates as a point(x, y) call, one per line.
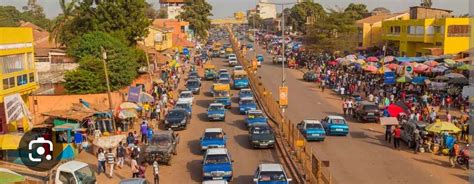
point(463, 158)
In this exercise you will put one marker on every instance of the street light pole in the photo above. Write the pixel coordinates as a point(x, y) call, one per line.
point(148, 64)
point(109, 95)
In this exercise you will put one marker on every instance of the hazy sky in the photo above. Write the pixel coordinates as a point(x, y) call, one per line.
point(226, 8)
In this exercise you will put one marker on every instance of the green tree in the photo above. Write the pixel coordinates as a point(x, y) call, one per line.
point(59, 26)
point(197, 13)
point(88, 77)
point(34, 13)
point(301, 12)
point(357, 11)
point(9, 16)
point(151, 12)
point(126, 16)
point(162, 14)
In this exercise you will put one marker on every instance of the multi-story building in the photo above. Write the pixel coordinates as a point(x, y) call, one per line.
point(370, 28)
point(18, 78)
point(265, 10)
point(436, 35)
point(173, 7)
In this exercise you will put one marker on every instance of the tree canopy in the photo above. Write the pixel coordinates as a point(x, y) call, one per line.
point(89, 76)
point(197, 13)
point(257, 19)
point(32, 12)
point(301, 11)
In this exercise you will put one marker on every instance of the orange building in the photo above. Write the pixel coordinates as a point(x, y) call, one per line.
point(181, 34)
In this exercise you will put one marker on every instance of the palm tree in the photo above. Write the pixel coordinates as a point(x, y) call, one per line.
point(58, 26)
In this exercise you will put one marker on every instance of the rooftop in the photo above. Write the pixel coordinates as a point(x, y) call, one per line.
point(216, 151)
point(213, 130)
point(312, 121)
point(378, 18)
point(72, 166)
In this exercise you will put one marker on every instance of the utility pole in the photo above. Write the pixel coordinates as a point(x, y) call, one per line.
point(148, 63)
point(111, 108)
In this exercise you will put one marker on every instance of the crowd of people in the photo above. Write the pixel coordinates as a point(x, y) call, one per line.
point(353, 84)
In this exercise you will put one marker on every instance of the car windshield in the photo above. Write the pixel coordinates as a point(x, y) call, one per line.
point(217, 159)
point(193, 74)
point(213, 135)
point(272, 176)
point(370, 107)
point(222, 93)
point(246, 102)
point(313, 125)
point(245, 92)
point(161, 140)
point(238, 68)
point(256, 115)
point(224, 75)
point(238, 77)
point(224, 81)
point(176, 114)
point(182, 105)
point(258, 130)
point(216, 107)
point(193, 83)
point(186, 95)
point(338, 121)
point(85, 175)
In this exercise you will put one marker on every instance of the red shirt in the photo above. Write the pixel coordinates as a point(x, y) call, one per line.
point(397, 132)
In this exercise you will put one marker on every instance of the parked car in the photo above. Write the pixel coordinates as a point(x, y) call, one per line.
point(216, 111)
point(408, 129)
point(224, 75)
point(335, 125)
point(367, 111)
point(194, 75)
point(223, 70)
point(271, 173)
point(310, 76)
point(279, 59)
point(215, 182)
point(186, 96)
point(162, 147)
point(193, 85)
point(262, 136)
point(177, 119)
point(246, 104)
point(217, 165)
point(255, 117)
point(312, 130)
point(245, 93)
point(224, 100)
point(213, 138)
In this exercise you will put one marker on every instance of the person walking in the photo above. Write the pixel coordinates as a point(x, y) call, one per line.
point(453, 154)
point(135, 167)
point(120, 155)
point(110, 156)
point(388, 133)
point(97, 133)
point(418, 140)
point(396, 137)
point(350, 107)
point(101, 161)
point(144, 132)
point(156, 174)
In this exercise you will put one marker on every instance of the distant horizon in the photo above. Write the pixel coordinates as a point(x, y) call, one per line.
point(459, 7)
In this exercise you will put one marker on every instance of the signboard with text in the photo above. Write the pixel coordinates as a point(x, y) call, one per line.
point(389, 78)
point(134, 93)
point(283, 96)
point(14, 107)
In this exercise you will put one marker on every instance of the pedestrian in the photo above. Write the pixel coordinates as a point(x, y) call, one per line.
point(130, 140)
point(448, 117)
point(453, 154)
point(342, 91)
point(149, 133)
point(388, 133)
point(97, 133)
point(144, 132)
point(396, 137)
point(350, 107)
point(142, 169)
point(135, 137)
point(418, 140)
point(101, 161)
point(120, 155)
point(344, 107)
point(110, 156)
point(78, 139)
point(156, 174)
point(135, 167)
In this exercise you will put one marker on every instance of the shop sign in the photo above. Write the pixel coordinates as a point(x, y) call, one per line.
point(389, 78)
point(283, 96)
point(134, 94)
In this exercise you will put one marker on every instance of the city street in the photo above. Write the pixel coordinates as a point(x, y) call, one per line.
point(363, 156)
point(186, 166)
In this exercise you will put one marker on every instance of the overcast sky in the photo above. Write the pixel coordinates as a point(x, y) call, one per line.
point(226, 8)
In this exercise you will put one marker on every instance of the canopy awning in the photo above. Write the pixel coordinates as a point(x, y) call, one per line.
point(10, 141)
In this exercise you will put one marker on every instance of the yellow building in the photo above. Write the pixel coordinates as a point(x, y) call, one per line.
point(370, 28)
point(160, 38)
point(432, 36)
point(18, 76)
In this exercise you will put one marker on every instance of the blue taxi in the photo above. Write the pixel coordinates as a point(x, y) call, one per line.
point(335, 125)
point(243, 93)
point(312, 129)
point(213, 138)
point(255, 117)
point(246, 104)
point(217, 165)
point(216, 111)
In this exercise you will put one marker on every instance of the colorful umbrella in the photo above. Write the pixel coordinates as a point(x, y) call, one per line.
point(465, 67)
point(361, 57)
point(145, 97)
point(370, 68)
point(384, 69)
point(372, 59)
point(10, 141)
point(345, 62)
point(333, 63)
point(394, 110)
point(418, 80)
point(449, 62)
point(420, 68)
point(128, 105)
point(404, 79)
point(439, 69)
point(442, 126)
point(360, 61)
point(392, 66)
point(454, 75)
point(431, 63)
point(388, 59)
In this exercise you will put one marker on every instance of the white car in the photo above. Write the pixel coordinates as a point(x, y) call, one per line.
point(186, 96)
point(269, 173)
point(232, 58)
point(238, 68)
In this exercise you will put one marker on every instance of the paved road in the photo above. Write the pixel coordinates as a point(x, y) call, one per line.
point(186, 166)
point(363, 156)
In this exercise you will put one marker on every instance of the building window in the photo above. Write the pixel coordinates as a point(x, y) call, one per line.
point(30, 61)
point(458, 31)
point(438, 29)
point(32, 77)
point(158, 37)
point(22, 80)
point(8, 83)
point(12, 63)
point(416, 30)
point(395, 30)
point(430, 30)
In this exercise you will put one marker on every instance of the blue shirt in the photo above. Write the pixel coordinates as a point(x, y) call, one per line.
point(78, 138)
